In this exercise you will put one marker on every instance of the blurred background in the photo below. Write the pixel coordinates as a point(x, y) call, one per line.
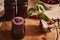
point(1, 2)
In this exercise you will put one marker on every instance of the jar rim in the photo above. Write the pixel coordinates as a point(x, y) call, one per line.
point(18, 18)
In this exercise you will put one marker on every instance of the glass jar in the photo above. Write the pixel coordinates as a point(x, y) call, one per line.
point(22, 8)
point(10, 9)
point(18, 28)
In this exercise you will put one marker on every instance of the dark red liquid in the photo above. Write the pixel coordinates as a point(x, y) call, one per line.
point(22, 11)
point(10, 9)
point(22, 8)
point(18, 31)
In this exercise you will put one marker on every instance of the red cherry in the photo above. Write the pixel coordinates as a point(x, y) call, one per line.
point(55, 20)
point(50, 1)
point(58, 19)
point(51, 22)
point(35, 17)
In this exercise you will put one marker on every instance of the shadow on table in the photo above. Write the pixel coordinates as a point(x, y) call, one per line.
point(34, 30)
point(6, 35)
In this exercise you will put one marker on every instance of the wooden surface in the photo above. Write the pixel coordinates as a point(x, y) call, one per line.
point(33, 31)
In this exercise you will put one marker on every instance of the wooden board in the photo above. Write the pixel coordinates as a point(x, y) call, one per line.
point(33, 31)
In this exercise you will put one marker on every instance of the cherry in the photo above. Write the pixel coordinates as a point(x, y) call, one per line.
point(51, 1)
point(58, 19)
point(35, 17)
point(55, 20)
point(51, 22)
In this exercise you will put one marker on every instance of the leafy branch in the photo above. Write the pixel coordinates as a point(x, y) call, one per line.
point(38, 10)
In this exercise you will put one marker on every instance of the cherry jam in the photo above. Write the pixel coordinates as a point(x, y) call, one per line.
point(22, 8)
point(18, 28)
point(10, 9)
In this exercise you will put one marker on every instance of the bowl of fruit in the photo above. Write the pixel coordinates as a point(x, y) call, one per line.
point(50, 4)
point(50, 1)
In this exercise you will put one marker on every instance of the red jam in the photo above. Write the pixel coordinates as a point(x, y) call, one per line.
point(10, 9)
point(18, 28)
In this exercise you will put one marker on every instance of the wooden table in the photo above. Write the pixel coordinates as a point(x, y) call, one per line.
point(33, 31)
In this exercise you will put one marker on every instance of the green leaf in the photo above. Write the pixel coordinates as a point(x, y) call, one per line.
point(30, 12)
point(41, 3)
point(43, 16)
point(40, 8)
point(32, 9)
point(40, 11)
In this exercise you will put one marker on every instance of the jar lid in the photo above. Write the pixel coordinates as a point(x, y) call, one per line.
point(18, 20)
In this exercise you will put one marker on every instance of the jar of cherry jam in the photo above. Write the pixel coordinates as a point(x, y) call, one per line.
point(10, 9)
point(22, 8)
point(18, 28)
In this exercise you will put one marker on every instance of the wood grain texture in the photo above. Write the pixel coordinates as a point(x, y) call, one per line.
point(33, 31)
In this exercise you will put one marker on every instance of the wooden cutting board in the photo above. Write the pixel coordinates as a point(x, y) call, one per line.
point(33, 31)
